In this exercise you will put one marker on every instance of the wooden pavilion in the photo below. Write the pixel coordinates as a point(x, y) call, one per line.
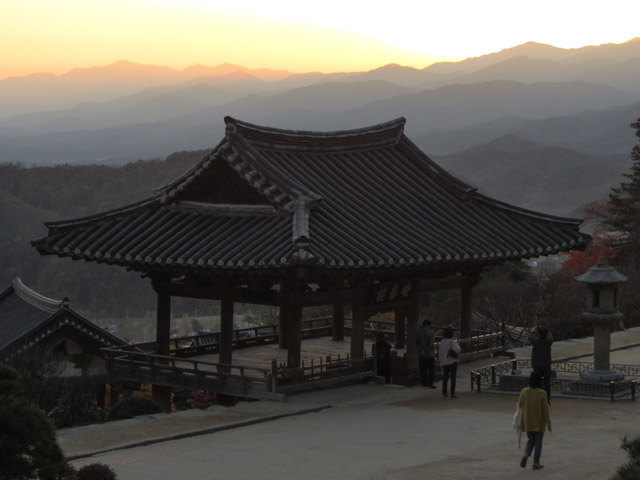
point(298, 218)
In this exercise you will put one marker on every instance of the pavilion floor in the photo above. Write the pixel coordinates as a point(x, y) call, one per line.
point(311, 349)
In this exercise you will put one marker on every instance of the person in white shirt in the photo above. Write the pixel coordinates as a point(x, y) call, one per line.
point(448, 352)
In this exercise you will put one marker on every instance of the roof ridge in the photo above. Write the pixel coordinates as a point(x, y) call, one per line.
point(103, 215)
point(387, 133)
point(36, 299)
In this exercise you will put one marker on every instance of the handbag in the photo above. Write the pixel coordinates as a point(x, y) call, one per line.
point(452, 353)
point(517, 423)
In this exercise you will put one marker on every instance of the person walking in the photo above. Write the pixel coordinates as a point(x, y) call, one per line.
point(541, 356)
point(426, 353)
point(535, 418)
point(448, 352)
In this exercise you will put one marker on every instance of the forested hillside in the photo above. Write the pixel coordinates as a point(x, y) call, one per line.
point(546, 179)
point(31, 196)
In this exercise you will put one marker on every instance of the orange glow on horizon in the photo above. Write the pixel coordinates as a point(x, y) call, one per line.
point(335, 36)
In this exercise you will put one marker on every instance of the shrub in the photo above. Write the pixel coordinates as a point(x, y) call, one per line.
point(202, 399)
point(631, 469)
point(10, 383)
point(96, 471)
point(133, 406)
point(69, 472)
point(28, 445)
point(73, 401)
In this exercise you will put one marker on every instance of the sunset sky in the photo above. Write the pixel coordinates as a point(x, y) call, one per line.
point(329, 36)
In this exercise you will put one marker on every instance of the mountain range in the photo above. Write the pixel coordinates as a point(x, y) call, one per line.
point(537, 126)
point(577, 103)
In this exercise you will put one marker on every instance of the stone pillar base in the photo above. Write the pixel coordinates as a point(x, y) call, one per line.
point(602, 376)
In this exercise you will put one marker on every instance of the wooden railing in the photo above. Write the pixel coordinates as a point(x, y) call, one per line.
point(128, 364)
point(328, 371)
point(138, 363)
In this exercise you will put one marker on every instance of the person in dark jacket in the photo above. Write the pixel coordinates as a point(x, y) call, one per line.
point(426, 354)
point(541, 356)
point(383, 357)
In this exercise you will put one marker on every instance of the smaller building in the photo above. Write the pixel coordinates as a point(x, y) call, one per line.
point(30, 322)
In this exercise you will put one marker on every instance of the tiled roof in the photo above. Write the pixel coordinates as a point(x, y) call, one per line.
point(27, 318)
point(366, 198)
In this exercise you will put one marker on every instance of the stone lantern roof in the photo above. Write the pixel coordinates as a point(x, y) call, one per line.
point(601, 273)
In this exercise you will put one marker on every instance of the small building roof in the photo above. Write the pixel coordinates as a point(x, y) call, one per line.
point(28, 318)
point(601, 273)
point(267, 198)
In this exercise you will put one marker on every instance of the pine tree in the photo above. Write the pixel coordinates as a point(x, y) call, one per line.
point(28, 446)
point(624, 208)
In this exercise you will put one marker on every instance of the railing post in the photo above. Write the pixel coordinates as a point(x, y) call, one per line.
point(612, 389)
point(274, 375)
point(131, 363)
point(633, 390)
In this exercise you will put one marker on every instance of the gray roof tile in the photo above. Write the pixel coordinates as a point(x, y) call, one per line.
point(350, 199)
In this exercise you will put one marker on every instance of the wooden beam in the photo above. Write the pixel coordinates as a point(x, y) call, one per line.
point(337, 326)
point(313, 299)
point(399, 328)
point(161, 394)
point(226, 332)
point(240, 295)
point(163, 322)
point(294, 345)
point(388, 306)
point(447, 283)
point(466, 311)
point(358, 318)
point(412, 328)
point(283, 320)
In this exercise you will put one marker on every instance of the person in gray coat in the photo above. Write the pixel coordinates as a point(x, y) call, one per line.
point(426, 354)
point(541, 356)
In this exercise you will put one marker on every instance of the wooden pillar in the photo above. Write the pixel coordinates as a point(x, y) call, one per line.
point(163, 322)
point(399, 329)
point(114, 395)
point(358, 319)
point(412, 327)
point(162, 394)
point(337, 327)
point(294, 324)
point(283, 317)
point(466, 311)
point(226, 332)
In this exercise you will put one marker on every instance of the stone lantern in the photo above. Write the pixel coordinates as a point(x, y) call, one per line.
point(602, 310)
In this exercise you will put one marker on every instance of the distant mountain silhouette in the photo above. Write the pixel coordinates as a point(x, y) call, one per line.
point(456, 106)
point(42, 92)
point(595, 132)
point(550, 179)
point(616, 52)
point(127, 111)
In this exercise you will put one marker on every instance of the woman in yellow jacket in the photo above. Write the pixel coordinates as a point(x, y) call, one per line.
point(535, 418)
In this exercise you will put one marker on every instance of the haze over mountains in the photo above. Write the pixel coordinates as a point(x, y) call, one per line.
point(536, 126)
point(518, 103)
